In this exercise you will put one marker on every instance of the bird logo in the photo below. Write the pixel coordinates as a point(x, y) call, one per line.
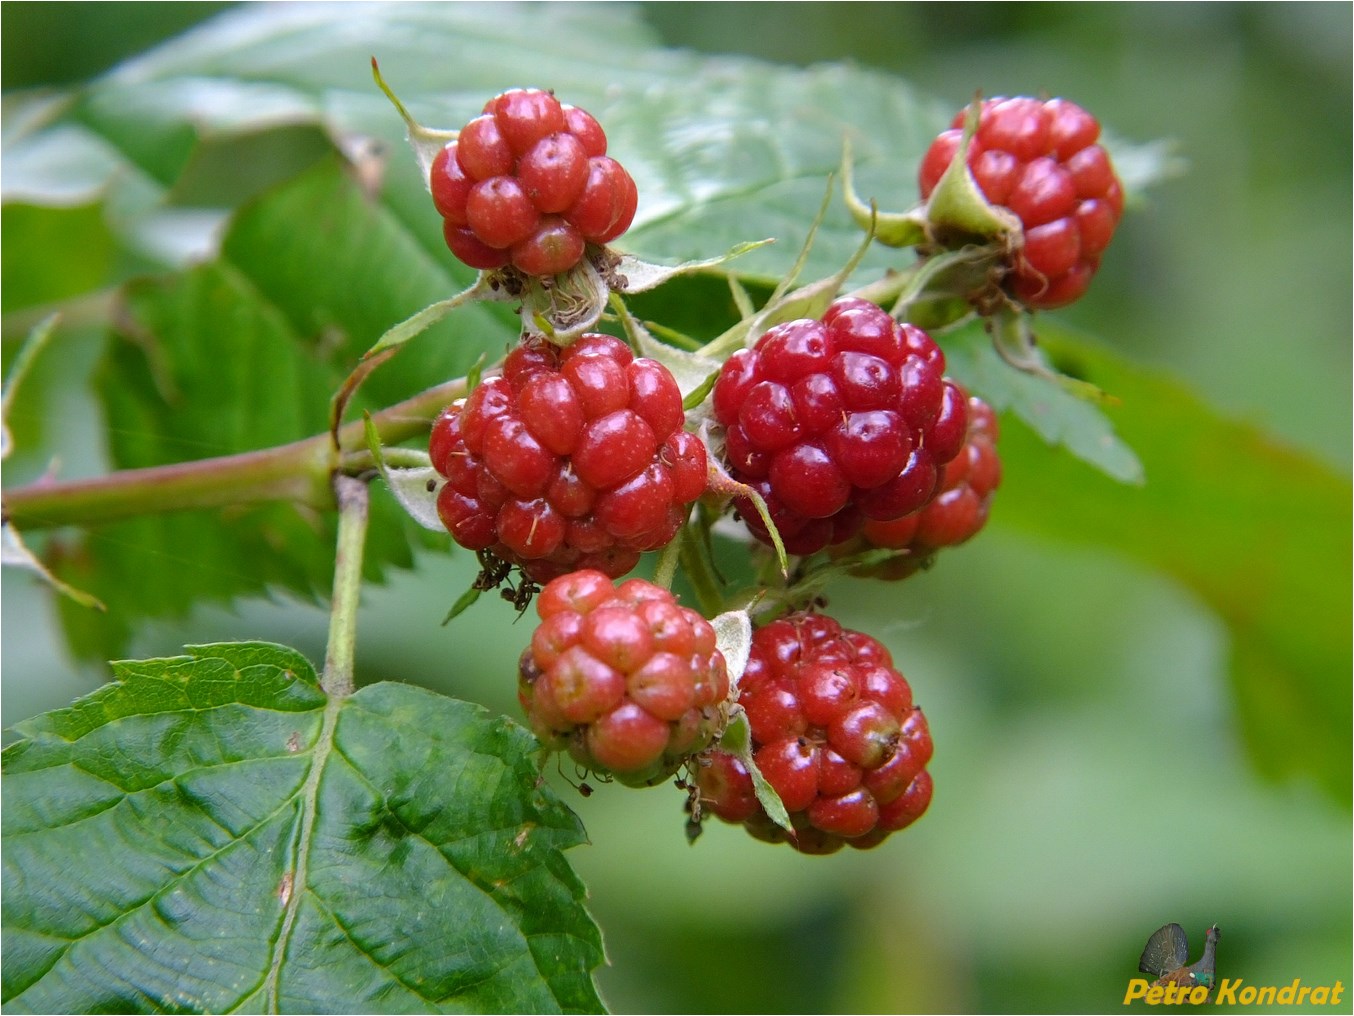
point(1167, 952)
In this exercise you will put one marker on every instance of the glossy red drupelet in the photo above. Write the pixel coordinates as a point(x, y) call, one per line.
point(959, 511)
point(572, 458)
point(626, 680)
point(529, 183)
point(1040, 160)
point(836, 421)
point(835, 733)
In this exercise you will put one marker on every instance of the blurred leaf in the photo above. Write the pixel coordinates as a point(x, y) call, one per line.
point(1060, 417)
point(706, 140)
point(340, 268)
point(218, 835)
point(1258, 531)
point(201, 369)
point(37, 245)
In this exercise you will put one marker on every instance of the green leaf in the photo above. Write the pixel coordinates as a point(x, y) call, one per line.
point(707, 141)
point(1062, 418)
point(33, 279)
point(212, 833)
point(1258, 531)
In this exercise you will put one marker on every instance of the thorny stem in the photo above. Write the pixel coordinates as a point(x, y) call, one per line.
point(353, 498)
point(299, 471)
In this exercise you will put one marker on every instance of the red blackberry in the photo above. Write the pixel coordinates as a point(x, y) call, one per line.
point(835, 733)
point(958, 512)
point(572, 458)
point(529, 183)
point(838, 420)
point(625, 680)
point(1040, 160)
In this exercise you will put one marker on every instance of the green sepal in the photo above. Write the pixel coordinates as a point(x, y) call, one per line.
point(737, 741)
point(957, 208)
point(486, 287)
point(414, 486)
point(425, 141)
point(13, 551)
point(563, 308)
point(700, 392)
point(892, 229)
point(786, 303)
point(463, 603)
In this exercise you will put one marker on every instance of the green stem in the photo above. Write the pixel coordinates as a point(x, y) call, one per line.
point(667, 562)
point(699, 570)
point(299, 472)
point(353, 499)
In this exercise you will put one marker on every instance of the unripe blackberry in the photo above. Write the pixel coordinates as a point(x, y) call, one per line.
point(529, 183)
point(834, 731)
point(958, 512)
point(1040, 160)
point(838, 420)
point(571, 459)
point(626, 680)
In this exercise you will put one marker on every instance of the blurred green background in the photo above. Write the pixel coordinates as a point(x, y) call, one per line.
point(1090, 781)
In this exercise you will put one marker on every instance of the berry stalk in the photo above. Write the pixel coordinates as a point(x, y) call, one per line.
point(299, 471)
point(354, 500)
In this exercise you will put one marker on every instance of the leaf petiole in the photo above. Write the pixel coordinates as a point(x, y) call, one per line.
point(354, 498)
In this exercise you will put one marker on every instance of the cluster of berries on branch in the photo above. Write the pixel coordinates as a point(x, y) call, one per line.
point(837, 433)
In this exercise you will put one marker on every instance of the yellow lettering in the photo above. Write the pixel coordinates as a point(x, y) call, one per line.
point(1137, 988)
point(1265, 996)
point(1321, 994)
point(1335, 993)
point(1198, 994)
point(1154, 994)
point(1227, 990)
point(1288, 992)
point(1303, 992)
point(1246, 995)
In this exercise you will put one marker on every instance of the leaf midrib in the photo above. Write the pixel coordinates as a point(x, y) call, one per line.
point(309, 797)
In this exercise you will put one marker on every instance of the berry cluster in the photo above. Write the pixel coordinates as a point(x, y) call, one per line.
point(835, 733)
point(570, 459)
point(958, 512)
point(624, 679)
point(574, 459)
point(837, 421)
point(1041, 161)
point(529, 183)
